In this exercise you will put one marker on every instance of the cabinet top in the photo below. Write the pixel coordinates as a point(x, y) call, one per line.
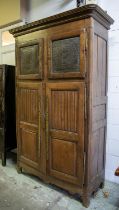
point(87, 11)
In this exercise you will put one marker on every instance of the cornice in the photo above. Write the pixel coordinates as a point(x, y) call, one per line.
point(91, 10)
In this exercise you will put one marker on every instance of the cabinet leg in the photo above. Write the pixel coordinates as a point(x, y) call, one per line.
point(102, 185)
point(94, 194)
point(3, 159)
point(19, 169)
point(86, 200)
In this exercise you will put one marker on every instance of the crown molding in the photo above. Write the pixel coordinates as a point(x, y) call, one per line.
point(87, 11)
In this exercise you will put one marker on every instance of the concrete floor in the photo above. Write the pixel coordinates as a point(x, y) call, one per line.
point(24, 192)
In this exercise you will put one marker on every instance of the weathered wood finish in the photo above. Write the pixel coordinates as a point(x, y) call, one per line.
point(61, 117)
point(99, 101)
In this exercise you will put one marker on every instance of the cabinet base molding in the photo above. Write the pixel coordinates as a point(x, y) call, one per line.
point(84, 194)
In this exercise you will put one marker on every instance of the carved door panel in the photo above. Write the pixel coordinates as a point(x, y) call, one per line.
point(29, 122)
point(30, 59)
point(65, 131)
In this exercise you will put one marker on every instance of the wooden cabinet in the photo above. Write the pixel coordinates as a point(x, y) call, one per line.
point(61, 98)
point(7, 111)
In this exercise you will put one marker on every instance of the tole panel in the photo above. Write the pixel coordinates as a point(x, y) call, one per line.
point(30, 59)
point(66, 55)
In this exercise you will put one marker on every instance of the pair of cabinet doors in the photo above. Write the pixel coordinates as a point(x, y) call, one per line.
point(50, 113)
point(51, 128)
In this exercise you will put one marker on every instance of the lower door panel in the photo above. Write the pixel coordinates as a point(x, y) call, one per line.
point(65, 131)
point(29, 126)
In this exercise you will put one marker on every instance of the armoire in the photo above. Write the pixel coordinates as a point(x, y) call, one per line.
point(61, 87)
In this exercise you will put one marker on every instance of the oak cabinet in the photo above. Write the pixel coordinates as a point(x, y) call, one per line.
point(61, 98)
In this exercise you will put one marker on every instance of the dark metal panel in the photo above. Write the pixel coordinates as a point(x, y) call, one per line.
point(65, 55)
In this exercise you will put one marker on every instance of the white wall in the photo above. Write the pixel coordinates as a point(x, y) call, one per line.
point(112, 159)
point(7, 53)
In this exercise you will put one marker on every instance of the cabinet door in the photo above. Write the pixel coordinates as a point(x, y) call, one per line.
point(67, 54)
point(65, 131)
point(29, 121)
point(30, 59)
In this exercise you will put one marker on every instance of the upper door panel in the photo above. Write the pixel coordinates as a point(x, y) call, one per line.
point(66, 55)
point(30, 59)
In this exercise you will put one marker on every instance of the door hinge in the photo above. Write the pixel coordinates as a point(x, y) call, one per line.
point(39, 126)
point(84, 165)
point(85, 50)
point(85, 103)
point(86, 45)
point(84, 160)
point(86, 42)
point(47, 128)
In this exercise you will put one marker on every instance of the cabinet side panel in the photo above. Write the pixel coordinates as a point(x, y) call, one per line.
point(99, 101)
